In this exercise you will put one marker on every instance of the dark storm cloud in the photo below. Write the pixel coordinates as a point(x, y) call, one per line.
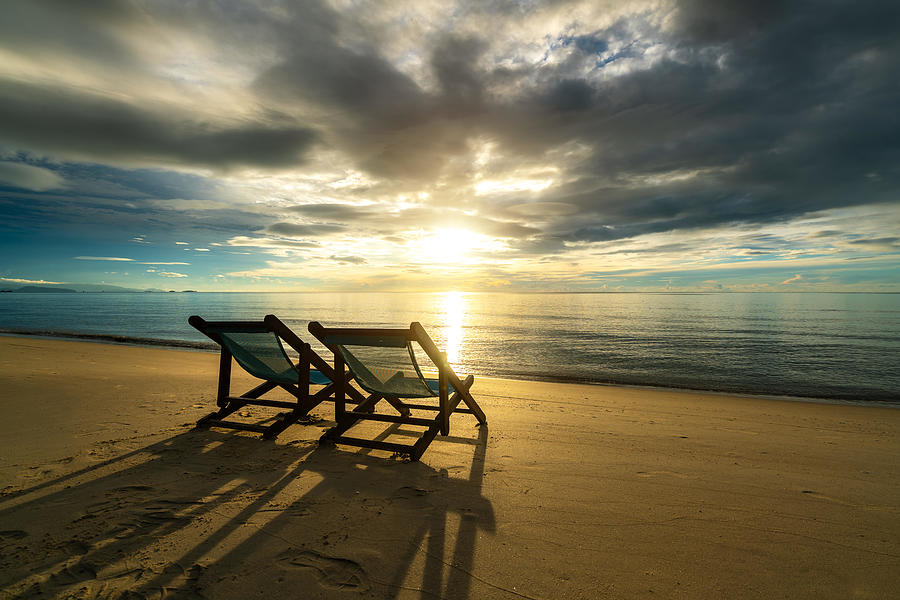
point(717, 21)
point(763, 114)
point(570, 95)
point(83, 30)
point(362, 84)
point(72, 123)
point(317, 65)
point(454, 61)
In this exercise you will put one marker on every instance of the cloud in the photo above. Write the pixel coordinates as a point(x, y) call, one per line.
point(719, 21)
point(792, 279)
point(170, 274)
point(338, 211)
point(267, 242)
point(107, 258)
point(29, 177)
point(353, 260)
point(73, 124)
point(887, 243)
point(303, 229)
point(31, 281)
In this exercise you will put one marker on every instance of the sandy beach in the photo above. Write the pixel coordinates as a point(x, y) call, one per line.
point(572, 491)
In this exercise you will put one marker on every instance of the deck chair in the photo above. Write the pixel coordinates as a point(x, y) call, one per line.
point(372, 357)
point(258, 347)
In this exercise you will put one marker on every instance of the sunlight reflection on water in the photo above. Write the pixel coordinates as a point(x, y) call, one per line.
point(453, 305)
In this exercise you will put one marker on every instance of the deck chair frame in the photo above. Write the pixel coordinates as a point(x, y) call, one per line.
point(447, 403)
point(229, 404)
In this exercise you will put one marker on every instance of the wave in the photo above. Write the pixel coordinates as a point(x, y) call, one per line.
point(113, 339)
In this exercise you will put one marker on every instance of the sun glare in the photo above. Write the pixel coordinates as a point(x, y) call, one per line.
point(452, 246)
point(511, 185)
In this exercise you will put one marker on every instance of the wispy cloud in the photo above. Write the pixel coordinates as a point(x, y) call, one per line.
point(106, 258)
point(30, 281)
point(29, 177)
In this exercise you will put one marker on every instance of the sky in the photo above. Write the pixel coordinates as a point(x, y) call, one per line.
point(691, 145)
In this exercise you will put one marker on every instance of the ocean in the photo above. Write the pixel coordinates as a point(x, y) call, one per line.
point(815, 345)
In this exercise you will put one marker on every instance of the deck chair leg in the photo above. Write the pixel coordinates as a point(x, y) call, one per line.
point(452, 402)
point(224, 389)
point(470, 402)
point(301, 391)
point(422, 443)
point(444, 400)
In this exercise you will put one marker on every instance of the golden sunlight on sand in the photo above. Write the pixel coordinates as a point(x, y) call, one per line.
point(572, 491)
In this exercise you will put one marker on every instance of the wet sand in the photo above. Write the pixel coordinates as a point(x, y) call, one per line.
point(572, 491)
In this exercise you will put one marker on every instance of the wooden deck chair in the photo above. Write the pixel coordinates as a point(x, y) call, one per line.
point(372, 356)
point(258, 347)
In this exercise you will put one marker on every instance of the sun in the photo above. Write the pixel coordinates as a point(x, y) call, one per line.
point(452, 246)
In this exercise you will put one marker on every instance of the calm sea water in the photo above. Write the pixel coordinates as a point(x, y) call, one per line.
point(838, 346)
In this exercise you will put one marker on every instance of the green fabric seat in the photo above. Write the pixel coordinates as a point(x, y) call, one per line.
point(262, 354)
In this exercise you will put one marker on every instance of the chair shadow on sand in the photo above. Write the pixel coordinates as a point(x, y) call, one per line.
point(208, 515)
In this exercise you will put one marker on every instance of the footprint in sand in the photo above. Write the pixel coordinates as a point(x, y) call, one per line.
point(411, 495)
point(818, 496)
point(71, 574)
point(666, 473)
point(331, 573)
point(12, 534)
point(117, 499)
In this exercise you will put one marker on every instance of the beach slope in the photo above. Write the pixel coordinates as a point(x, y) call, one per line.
point(572, 491)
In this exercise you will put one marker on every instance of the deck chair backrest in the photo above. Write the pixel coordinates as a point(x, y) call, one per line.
point(261, 354)
point(382, 364)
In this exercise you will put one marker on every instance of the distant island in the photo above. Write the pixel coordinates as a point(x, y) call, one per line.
point(40, 289)
point(90, 288)
point(77, 288)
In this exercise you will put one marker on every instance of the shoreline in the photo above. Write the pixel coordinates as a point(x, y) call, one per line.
point(571, 490)
point(201, 346)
